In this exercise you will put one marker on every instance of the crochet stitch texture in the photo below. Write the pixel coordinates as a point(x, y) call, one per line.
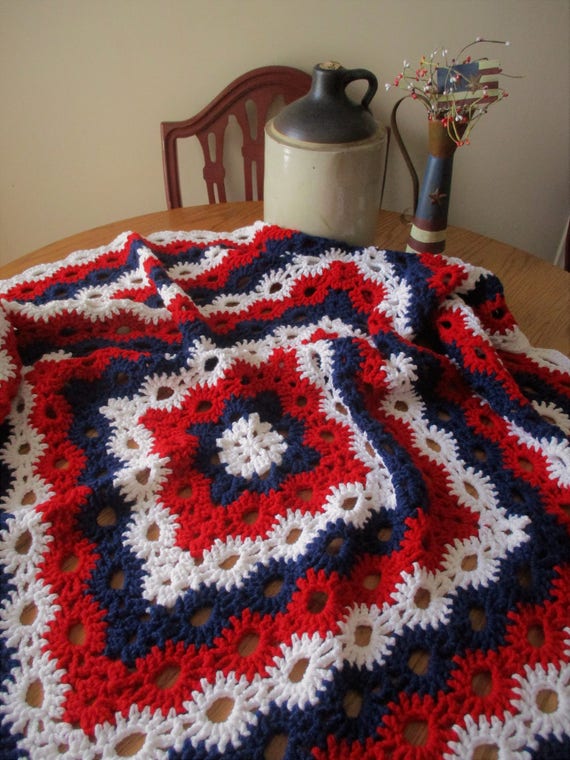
point(266, 495)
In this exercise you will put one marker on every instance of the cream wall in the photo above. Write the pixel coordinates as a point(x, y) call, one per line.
point(85, 83)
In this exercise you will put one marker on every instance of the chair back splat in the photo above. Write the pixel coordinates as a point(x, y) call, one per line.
point(260, 87)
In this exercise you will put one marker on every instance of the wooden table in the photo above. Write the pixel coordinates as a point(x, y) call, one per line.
point(537, 292)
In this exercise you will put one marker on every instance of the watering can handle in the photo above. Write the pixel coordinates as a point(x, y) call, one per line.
point(405, 153)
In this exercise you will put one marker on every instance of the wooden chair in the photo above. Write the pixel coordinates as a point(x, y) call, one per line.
point(248, 98)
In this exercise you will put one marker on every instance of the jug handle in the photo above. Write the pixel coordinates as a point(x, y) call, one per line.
point(352, 75)
point(405, 153)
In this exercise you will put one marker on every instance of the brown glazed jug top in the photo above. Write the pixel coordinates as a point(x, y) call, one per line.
point(326, 114)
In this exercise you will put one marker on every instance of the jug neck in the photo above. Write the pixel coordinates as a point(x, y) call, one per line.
point(328, 81)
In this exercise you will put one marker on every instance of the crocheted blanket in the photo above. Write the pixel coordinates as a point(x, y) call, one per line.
point(264, 495)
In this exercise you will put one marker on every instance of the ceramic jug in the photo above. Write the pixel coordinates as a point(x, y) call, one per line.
point(325, 158)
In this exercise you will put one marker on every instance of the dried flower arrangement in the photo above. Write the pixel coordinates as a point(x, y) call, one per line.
point(457, 92)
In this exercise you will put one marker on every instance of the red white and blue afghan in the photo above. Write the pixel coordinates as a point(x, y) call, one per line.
point(267, 495)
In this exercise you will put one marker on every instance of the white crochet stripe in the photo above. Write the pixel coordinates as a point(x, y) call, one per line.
point(100, 308)
point(516, 342)
point(25, 483)
point(8, 367)
point(322, 655)
point(212, 257)
point(25, 594)
point(170, 571)
point(235, 729)
point(383, 626)
point(497, 533)
point(525, 723)
point(373, 264)
point(33, 721)
point(553, 414)
point(23, 564)
point(513, 340)
point(396, 305)
point(76, 258)
point(471, 323)
point(555, 452)
point(441, 589)
point(299, 266)
point(100, 302)
point(153, 729)
point(242, 235)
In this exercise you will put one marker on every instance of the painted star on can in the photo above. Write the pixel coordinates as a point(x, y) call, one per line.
point(437, 197)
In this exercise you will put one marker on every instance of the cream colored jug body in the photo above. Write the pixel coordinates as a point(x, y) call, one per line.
point(330, 190)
